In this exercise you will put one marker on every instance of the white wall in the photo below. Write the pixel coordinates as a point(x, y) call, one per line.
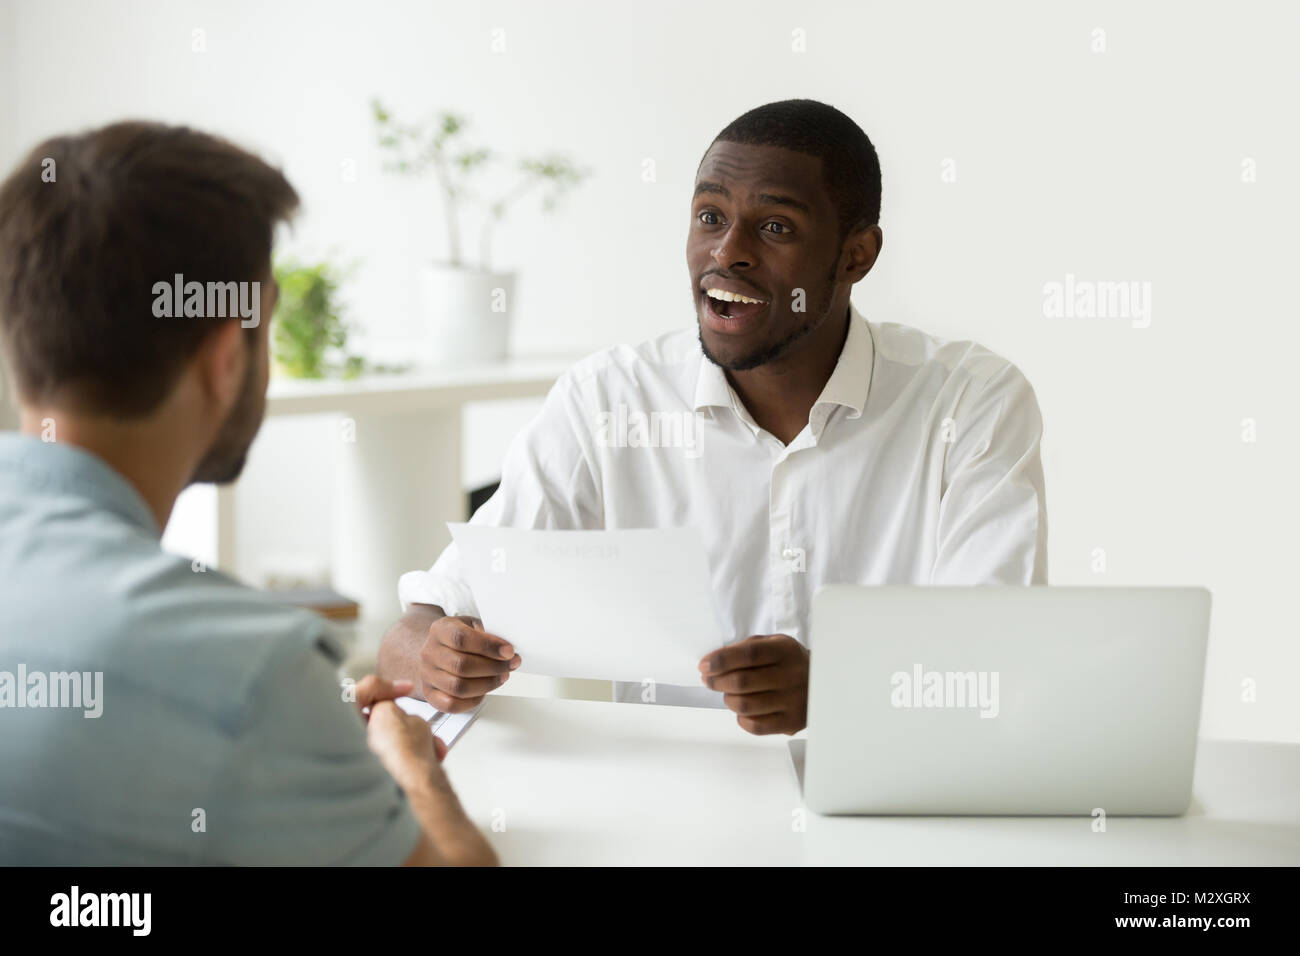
point(1122, 165)
point(8, 79)
point(8, 151)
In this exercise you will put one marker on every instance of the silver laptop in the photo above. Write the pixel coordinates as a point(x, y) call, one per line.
point(1003, 700)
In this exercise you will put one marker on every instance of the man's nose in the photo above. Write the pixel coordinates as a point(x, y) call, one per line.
point(732, 250)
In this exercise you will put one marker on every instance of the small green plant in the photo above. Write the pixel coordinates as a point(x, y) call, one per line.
point(310, 338)
point(439, 147)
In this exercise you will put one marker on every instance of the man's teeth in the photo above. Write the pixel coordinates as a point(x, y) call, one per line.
point(726, 296)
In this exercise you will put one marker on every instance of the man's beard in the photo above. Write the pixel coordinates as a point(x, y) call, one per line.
point(771, 353)
point(225, 459)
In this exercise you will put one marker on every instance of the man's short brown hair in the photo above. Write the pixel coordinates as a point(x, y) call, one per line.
point(89, 223)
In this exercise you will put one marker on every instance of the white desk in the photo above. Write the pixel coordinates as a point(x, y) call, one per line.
point(583, 782)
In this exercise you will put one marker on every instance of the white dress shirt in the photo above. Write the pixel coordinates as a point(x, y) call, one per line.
point(919, 465)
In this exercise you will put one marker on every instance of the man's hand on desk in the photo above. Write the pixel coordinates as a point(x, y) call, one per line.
point(404, 745)
point(461, 663)
point(764, 681)
point(413, 757)
point(373, 690)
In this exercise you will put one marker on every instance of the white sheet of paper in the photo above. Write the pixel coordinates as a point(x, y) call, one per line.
point(628, 605)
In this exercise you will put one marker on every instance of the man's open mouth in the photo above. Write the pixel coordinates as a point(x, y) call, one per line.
point(733, 305)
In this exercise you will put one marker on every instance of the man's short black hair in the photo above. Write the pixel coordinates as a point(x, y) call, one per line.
point(849, 163)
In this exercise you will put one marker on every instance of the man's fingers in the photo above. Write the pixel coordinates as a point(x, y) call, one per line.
point(756, 705)
point(766, 724)
point(384, 717)
point(365, 690)
point(451, 705)
point(749, 680)
point(442, 657)
point(455, 695)
point(439, 748)
point(751, 652)
point(763, 680)
point(462, 688)
point(453, 632)
point(373, 688)
point(415, 723)
point(460, 663)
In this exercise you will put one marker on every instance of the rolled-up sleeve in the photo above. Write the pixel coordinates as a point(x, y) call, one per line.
point(548, 480)
point(992, 525)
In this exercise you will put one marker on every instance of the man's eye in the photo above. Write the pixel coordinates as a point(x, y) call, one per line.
point(780, 229)
point(704, 217)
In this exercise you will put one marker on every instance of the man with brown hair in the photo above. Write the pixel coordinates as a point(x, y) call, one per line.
point(152, 711)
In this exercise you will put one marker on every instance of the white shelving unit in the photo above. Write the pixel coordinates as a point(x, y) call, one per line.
point(396, 467)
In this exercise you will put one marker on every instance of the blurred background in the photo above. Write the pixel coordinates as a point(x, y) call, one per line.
point(1020, 143)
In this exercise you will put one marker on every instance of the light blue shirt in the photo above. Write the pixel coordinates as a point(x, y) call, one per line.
point(199, 721)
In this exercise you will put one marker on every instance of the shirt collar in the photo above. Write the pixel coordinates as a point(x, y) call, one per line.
point(847, 386)
point(39, 464)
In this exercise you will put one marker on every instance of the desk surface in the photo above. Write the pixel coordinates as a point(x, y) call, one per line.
point(567, 782)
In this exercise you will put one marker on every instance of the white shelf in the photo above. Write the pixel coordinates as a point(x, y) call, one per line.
point(396, 476)
point(417, 390)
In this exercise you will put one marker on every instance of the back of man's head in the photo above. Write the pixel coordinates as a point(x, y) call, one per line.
point(90, 224)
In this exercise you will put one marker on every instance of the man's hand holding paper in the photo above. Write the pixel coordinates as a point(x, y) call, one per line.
point(460, 663)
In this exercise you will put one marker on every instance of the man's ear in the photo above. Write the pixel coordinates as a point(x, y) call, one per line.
point(219, 364)
point(861, 249)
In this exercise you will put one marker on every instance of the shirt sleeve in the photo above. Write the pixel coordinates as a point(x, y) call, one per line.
point(303, 787)
point(548, 480)
point(992, 525)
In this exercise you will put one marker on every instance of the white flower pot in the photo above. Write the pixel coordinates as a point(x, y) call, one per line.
point(467, 314)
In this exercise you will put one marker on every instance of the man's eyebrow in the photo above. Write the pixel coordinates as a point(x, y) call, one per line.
point(770, 199)
point(707, 186)
point(765, 199)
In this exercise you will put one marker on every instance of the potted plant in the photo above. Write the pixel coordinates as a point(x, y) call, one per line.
point(309, 337)
point(470, 304)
